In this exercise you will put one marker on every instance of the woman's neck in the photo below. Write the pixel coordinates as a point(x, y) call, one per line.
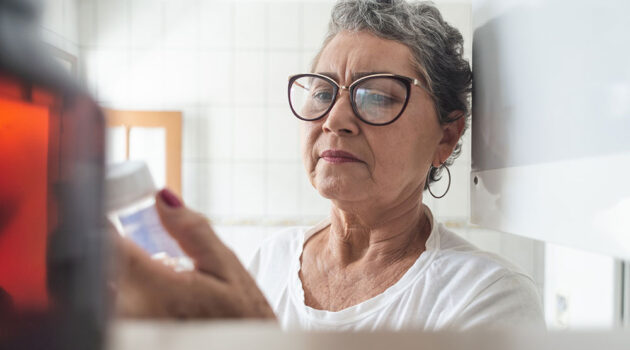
point(378, 236)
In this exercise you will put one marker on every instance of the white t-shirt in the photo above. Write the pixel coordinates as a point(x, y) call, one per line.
point(452, 285)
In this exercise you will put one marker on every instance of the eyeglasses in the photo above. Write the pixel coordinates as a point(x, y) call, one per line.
point(377, 99)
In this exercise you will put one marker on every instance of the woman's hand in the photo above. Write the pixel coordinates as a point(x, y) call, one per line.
point(219, 286)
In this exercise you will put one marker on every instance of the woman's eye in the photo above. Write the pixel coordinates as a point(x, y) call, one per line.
point(380, 99)
point(377, 99)
point(322, 96)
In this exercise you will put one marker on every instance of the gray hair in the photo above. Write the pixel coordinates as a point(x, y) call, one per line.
point(436, 46)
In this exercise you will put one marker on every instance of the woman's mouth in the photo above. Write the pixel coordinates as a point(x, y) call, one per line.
point(338, 156)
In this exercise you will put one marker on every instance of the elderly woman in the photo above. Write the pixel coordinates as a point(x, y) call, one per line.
point(381, 114)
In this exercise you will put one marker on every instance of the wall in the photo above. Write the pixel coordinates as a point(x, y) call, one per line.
point(581, 289)
point(59, 25)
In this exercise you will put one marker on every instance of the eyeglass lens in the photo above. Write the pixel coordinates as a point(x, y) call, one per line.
point(377, 100)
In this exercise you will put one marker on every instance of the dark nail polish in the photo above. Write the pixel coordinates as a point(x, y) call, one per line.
point(170, 198)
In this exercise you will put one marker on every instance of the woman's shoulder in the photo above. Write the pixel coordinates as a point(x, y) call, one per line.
point(280, 246)
point(460, 264)
point(278, 252)
point(463, 256)
point(489, 287)
point(455, 255)
point(271, 264)
point(284, 241)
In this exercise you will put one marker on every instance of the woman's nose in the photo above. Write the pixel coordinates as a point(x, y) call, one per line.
point(341, 119)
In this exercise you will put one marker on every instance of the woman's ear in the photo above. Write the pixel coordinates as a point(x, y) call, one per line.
point(451, 133)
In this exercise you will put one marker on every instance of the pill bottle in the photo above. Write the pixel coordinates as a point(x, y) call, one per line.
point(130, 206)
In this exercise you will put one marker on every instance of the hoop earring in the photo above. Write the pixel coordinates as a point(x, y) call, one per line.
point(447, 187)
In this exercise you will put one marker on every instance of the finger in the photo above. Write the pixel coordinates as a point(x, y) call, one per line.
point(195, 236)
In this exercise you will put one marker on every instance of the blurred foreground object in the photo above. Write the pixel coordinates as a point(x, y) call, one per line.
point(52, 280)
point(267, 335)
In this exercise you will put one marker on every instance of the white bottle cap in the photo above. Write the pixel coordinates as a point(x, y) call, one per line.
point(126, 183)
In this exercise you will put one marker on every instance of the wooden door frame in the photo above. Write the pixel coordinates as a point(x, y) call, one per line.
point(171, 121)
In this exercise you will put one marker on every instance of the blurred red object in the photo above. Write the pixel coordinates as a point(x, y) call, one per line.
point(24, 141)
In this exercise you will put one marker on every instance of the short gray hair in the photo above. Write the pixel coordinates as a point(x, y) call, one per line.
point(436, 46)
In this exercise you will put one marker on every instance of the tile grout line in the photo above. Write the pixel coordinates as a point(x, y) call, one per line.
point(232, 98)
point(267, 65)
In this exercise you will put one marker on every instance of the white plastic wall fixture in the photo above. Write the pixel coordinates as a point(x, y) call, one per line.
point(551, 121)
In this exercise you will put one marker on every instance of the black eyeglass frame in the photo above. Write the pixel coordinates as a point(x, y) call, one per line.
point(407, 81)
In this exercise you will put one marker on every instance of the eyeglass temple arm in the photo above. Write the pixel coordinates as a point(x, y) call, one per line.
point(300, 85)
point(419, 84)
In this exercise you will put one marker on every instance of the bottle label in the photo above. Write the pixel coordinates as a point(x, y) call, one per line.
point(145, 229)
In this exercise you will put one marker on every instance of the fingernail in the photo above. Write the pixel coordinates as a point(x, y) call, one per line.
point(170, 198)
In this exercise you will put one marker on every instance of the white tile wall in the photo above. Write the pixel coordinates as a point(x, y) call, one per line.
point(191, 127)
point(191, 183)
point(146, 23)
point(86, 23)
point(59, 25)
point(89, 63)
point(217, 189)
point(466, 155)
point(249, 85)
point(113, 76)
point(113, 23)
point(216, 24)
point(149, 145)
point(53, 16)
point(244, 240)
point(315, 23)
point(307, 60)
point(179, 78)
point(580, 289)
point(216, 73)
point(282, 189)
point(115, 140)
point(248, 139)
point(285, 29)
point(456, 204)
point(193, 122)
point(459, 14)
point(312, 205)
point(280, 65)
point(181, 23)
point(250, 25)
point(145, 78)
point(70, 23)
point(282, 135)
point(216, 122)
point(249, 189)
